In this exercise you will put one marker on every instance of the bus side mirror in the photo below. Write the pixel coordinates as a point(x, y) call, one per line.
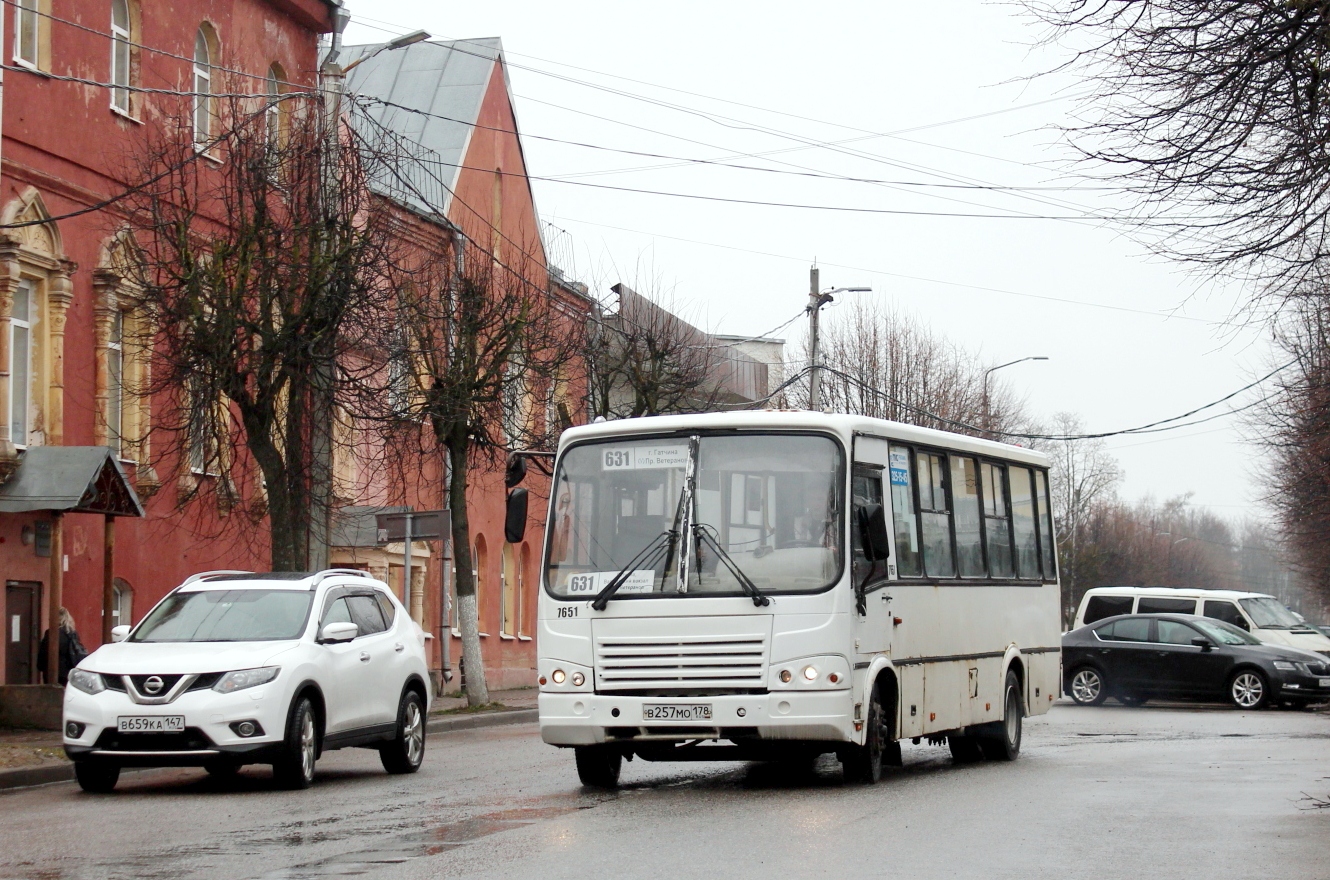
point(516, 470)
point(873, 532)
point(514, 522)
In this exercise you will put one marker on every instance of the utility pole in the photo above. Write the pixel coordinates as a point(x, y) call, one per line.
point(814, 306)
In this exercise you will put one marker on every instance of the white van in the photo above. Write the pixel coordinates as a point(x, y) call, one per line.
point(1261, 615)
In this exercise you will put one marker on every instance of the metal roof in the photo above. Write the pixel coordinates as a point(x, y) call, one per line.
point(69, 479)
point(445, 79)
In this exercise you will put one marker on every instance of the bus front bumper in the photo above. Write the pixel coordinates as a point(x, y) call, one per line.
point(581, 719)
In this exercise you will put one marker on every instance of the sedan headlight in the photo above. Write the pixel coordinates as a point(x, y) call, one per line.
point(245, 678)
point(88, 682)
point(1286, 665)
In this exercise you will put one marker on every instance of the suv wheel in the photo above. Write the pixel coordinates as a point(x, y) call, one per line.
point(295, 768)
point(97, 778)
point(407, 749)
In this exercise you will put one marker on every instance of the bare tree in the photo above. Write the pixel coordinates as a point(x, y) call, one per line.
point(1294, 426)
point(1084, 477)
point(262, 273)
point(1214, 114)
point(888, 364)
point(478, 347)
point(644, 359)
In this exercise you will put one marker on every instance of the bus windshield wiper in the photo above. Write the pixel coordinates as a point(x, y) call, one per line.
point(651, 553)
point(760, 599)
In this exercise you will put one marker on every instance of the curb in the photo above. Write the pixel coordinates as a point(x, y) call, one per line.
point(26, 776)
point(485, 719)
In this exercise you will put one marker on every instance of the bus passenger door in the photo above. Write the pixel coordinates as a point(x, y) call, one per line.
point(873, 621)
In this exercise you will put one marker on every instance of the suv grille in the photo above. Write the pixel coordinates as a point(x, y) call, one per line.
point(191, 739)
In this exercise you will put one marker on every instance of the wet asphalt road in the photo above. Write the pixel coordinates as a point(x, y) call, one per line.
point(1097, 792)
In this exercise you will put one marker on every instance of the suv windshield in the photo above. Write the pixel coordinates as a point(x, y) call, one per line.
point(227, 616)
point(772, 502)
point(1266, 613)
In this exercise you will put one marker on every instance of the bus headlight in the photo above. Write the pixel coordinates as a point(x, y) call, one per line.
point(563, 676)
point(810, 673)
point(558, 676)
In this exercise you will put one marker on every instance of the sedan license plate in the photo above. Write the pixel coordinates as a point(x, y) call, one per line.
point(1325, 682)
point(676, 712)
point(150, 723)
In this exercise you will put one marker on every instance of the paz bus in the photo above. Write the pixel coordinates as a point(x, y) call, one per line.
point(780, 585)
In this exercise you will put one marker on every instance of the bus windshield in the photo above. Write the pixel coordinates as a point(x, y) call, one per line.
point(772, 502)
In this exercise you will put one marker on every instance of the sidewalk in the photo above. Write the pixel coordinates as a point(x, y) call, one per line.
point(36, 757)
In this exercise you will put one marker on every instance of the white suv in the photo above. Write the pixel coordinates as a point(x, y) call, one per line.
point(235, 668)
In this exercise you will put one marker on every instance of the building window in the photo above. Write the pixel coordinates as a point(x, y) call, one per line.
point(274, 124)
point(26, 31)
point(122, 603)
point(20, 361)
point(511, 591)
point(120, 45)
point(202, 89)
point(115, 384)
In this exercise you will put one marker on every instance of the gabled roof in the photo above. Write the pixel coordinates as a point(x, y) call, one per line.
point(69, 479)
point(445, 79)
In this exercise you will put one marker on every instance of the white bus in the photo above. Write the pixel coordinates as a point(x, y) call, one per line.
point(780, 585)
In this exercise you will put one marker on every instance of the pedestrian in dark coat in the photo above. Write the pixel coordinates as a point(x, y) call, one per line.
point(71, 648)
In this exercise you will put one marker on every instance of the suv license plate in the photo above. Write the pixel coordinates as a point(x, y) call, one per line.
point(150, 723)
point(680, 712)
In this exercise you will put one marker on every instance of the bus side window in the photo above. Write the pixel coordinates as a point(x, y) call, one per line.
point(1022, 523)
point(904, 522)
point(866, 489)
point(1047, 546)
point(935, 515)
point(997, 521)
point(1227, 612)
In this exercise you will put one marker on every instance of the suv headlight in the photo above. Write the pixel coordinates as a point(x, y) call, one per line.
point(245, 678)
point(88, 682)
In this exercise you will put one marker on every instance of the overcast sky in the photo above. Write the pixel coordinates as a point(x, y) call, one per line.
point(922, 99)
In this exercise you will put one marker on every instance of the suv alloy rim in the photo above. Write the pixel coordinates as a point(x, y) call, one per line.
point(414, 733)
point(1085, 686)
point(307, 745)
point(1247, 689)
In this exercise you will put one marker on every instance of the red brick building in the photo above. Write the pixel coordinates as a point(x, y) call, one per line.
point(87, 77)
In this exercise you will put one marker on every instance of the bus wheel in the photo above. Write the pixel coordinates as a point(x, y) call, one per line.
point(598, 766)
point(1006, 744)
point(864, 763)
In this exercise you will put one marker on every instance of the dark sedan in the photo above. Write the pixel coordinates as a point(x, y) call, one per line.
point(1134, 657)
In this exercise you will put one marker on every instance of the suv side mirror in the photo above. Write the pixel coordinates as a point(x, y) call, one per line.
point(873, 532)
point(118, 633)
point(1203, 643)
point(514, 521)
point(339, 632)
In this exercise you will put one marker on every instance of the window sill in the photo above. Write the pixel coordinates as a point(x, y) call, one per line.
point(30, 67)
point(483, 635)
point(522, 638)
point(506, 637)
point(126, 115)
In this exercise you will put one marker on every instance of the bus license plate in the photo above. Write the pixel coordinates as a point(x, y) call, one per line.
point(150, 723)
point(670, 712)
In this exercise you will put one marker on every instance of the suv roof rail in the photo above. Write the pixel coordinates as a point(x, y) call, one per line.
point(330, 572)
point(204, 575)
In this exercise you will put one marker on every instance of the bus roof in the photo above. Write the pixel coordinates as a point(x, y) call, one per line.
point(845, 426)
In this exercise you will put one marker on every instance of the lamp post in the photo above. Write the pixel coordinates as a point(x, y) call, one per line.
point(988, 427)
point(332, 83)
point(816, 300)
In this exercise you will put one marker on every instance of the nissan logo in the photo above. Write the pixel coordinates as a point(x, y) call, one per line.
point(153, 685)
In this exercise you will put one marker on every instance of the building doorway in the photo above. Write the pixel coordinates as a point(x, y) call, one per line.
point(22, 600)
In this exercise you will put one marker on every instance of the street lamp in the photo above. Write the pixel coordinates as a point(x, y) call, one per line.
point(988, 427)
point(396, 43)
point(816, 300)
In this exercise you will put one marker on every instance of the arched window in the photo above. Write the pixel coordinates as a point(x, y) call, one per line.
point(202, 88)
point(511, 590)
point(27, 27)
point(121, 38)
point(274, 112)
point(481, 575)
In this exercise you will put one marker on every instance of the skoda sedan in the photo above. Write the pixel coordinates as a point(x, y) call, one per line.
point(1135, 657)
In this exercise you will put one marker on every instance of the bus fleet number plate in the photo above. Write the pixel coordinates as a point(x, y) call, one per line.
point(687, 712)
